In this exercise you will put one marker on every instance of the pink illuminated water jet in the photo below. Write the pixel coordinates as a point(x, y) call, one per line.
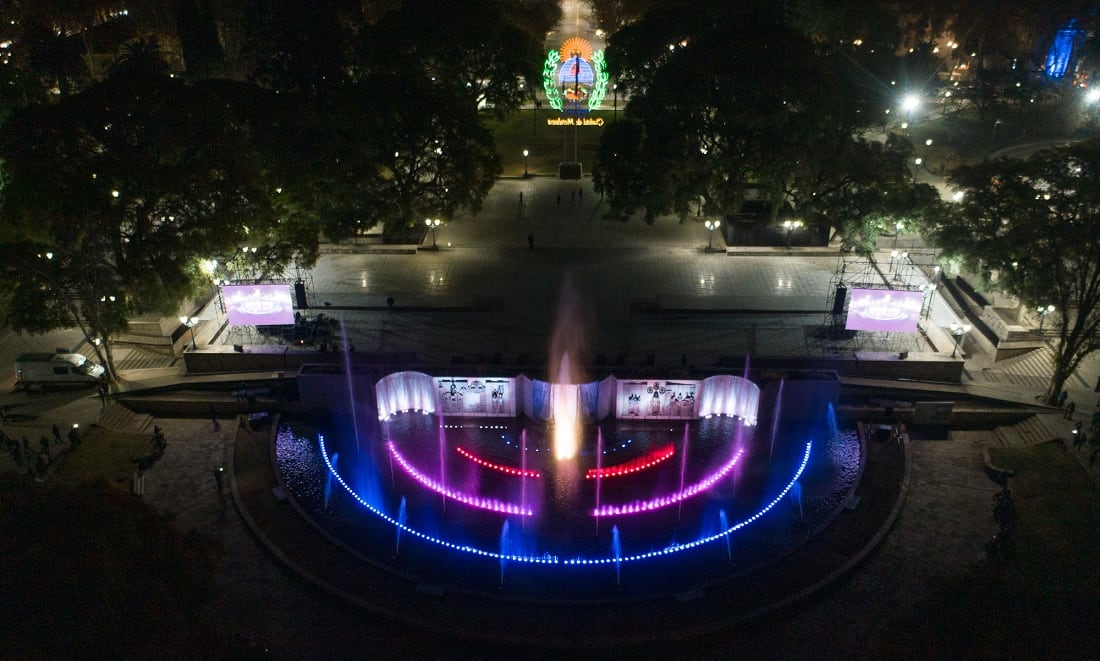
point(568, 350)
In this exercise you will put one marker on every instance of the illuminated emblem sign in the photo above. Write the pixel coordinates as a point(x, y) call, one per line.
point(575, 77)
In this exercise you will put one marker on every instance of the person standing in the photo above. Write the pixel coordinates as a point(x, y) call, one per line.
point(531, 241)
point(214, 419)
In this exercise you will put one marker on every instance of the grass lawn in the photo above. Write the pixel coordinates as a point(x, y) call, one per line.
point(527, 129)
point(1046, 603)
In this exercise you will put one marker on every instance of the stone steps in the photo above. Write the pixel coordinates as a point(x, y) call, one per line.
point(1038, 428)
point(117, 417)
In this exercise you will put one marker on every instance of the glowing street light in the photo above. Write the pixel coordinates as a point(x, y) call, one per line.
point(909, 104)
point(711, 225)
point(525, 154)
point(190, 323)
point(958, 330)
point(432, 224)
point(1044, 312)
point(1092, 96)
point(791, 226)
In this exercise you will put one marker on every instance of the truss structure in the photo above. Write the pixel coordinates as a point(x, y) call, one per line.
point(905, 270)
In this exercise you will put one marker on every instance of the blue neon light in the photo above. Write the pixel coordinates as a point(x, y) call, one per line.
point(1061, 51)
point(548, 559)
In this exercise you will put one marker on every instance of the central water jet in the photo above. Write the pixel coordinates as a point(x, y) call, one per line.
point(568, 352)
point(565, 403)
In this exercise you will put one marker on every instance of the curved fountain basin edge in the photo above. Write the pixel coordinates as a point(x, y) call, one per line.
point(556, 640)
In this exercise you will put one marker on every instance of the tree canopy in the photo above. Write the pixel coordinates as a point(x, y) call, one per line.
point(112, 197)
point(1032, 229)
point(734, 98)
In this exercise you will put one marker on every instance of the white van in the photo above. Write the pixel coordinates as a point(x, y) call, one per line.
point(56, 369)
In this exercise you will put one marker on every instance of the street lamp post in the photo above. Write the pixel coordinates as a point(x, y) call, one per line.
point(711, 225)
point(190, 323)
point(929, 298)
point(1044, 312)
point(615, 101)
point(433, 223)
point(897, 230)
point(525, 154)
point(958, 330)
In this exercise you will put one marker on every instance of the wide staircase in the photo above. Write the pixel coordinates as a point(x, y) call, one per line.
point(117, 417)
point(1039, 428)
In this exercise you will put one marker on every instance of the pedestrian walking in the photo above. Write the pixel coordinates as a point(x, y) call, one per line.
point(1077, 426)
point(74, 437)
point(390, 303)
point(531, 241)
point(218, 472)
point(214, 418)
point(103, 391)
point(572, 195)
point(1062, 398)
point(580, 194)
point(56, 434)
point(521, 197)
point(1070, 408)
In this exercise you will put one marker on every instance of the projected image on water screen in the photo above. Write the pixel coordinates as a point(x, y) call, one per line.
point(884, 310)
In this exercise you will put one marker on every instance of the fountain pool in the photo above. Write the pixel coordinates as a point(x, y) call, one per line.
point(642, 507)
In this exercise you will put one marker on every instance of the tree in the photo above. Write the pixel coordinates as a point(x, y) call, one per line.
point(54, 57)
point(482, 52)
point(1032, 229)
point(113, 198)
point(430, 152)
point(731, 98)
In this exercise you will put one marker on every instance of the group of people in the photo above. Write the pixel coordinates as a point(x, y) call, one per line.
point(1092, 437)
point(1081, 437)
point(38, 460)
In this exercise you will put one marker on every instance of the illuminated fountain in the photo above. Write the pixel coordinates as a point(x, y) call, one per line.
point(562, 488)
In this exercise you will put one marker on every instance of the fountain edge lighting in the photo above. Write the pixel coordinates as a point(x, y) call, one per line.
point(635, 465)
point(547, 559)
point(489, 504)
point(676, 548)
point(671, 499)
point(508, 470)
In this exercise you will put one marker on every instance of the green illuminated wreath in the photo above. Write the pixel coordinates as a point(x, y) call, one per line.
point(549, 80)
point(599, 85)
